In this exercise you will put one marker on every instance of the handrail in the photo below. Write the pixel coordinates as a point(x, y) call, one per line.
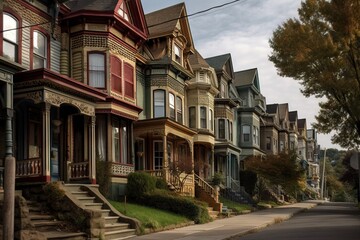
point(236, 183)
point(207, 187)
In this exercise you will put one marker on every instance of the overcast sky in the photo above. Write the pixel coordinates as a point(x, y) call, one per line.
point(243, 29)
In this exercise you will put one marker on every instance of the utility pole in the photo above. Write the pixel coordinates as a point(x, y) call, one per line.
point(323, 177)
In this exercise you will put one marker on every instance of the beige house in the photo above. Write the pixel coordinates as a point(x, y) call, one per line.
point(270, 127)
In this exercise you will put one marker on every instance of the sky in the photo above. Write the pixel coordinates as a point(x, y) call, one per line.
point(243, 29)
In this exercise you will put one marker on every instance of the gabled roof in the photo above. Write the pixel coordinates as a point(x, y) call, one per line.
point(222, 63)
point(283, 110)
point(293, 116)
point(301, 123)
point(108, 8)
point(197, 61)
point(247, 78)
point(218, 62)
point(272, 108)
point(95, 5)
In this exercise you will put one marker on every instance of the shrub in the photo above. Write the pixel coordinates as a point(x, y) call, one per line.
point(248, 179)
point(180, 205)
point(217, 179)
point(138, 184)
point(161, 184)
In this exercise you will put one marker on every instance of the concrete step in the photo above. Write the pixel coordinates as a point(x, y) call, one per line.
point(86, 199)
point(95, 206)
point(80, 193)
point(116, 226)
point(57, 235)
point(41, 217)
point(119, 234)
point(111, 219)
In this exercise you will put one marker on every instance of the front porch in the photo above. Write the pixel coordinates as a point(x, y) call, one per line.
point(164, 148)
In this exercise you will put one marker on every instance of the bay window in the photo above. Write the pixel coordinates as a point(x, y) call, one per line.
point(222, 128)
point(203, 120)
point(246, 133)
point(192, 117)
point(172, 105)
point(179, 109)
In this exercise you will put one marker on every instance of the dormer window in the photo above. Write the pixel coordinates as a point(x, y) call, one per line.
point(123, 12)
point(177, 54)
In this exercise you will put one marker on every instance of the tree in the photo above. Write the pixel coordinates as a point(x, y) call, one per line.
point(282, 169)
point(321, 49)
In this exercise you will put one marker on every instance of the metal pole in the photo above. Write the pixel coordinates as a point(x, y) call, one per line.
point(323, 177)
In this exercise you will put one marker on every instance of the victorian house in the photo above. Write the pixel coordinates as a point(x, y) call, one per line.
point(293, 131)
point(227, 153)
point(75, 102)
point(284, 127)
point(312, 157)
point(164, 142)
point(201, 92)
point(250, 113)
point(302, 139)
point(270, 127)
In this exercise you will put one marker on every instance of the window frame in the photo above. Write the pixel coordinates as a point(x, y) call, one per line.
point(178, 56)
point(221, 130)
point(179, 110)
point(246, 134)
point(163, 106)
point(172, 109)
point(46, 57)
point(160, 156)
point(211, 121)
point(89, 54)
point(192, 117)
point(129, 82)
point(118, 75)
point(123, 142)
point(203, 117)
point(17, 18)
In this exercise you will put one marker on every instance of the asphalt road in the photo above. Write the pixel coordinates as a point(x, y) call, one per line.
point(329, 221)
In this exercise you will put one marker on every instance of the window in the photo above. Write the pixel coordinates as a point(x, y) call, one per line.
point(123, 11)
point(10, 38)
point(116, 74)
point(268, 143)
point(129, 80)
point(246, 133)
point(222, 128)
point(159, 103)
point(158, 155)
point(192, 117)
point(120, 140)
point(231, 131)
point(177, 54)
point(179, 109)
point(39, 50)
point(203, 120)
point(97, 70)
point(172, 105)
point(211, 122)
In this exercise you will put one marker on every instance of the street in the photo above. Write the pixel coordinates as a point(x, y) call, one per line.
point(329, 221)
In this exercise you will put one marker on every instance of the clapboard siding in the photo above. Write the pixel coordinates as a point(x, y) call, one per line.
point(77, 63)
point(55, 55)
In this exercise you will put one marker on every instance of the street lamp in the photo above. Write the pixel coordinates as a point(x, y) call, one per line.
point(323, 177)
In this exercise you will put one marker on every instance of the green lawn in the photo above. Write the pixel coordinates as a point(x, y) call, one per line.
point(152, 218)
point(235, 206)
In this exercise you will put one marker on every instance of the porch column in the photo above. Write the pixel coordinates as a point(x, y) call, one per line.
point(212, 161)
point(166, 167)
point(92, 159)
point(46, 141)
point(228, 169)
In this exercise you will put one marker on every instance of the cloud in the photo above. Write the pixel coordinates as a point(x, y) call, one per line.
point(244, 29)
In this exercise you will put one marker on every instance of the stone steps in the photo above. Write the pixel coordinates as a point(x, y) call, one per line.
point(114, 230)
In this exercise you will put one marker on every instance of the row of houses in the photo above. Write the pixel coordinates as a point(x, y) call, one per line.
point(88, 81)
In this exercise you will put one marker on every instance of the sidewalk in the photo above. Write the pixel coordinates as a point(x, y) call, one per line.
point(232, 227)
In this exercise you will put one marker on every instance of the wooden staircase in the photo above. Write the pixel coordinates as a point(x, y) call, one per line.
point(207, 193)
point(46, 224)
point(114, 229)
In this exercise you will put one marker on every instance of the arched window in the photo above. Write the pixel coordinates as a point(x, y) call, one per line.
point(10, 37)
point(159, 103)
point(40, 50)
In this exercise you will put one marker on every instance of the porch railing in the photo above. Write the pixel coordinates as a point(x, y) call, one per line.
point(155, 173)
point(79, 170)
point(207, 187)
point(118, 169)
point(27, 168)
point(235, 185)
